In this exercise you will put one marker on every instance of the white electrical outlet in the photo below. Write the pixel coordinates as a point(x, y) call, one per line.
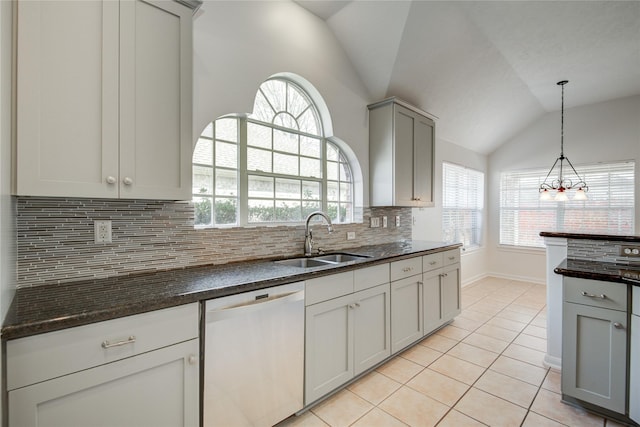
point(384, 222)
point(397, 220)
point(351, 235)
point(375, 222)
point(102, 231)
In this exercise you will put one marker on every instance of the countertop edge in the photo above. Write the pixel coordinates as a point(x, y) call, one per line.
point(14, 329)
point(621, 238)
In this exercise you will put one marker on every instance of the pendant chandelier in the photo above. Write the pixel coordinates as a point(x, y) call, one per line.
point(562, 184)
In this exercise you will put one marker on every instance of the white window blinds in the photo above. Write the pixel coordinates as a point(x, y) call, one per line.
point(462, 205)
point(609, 208)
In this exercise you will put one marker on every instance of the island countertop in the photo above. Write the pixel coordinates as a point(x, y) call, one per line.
point(604, 271)
point(51, 307)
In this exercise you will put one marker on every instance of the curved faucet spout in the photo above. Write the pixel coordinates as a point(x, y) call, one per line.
point(308, 233)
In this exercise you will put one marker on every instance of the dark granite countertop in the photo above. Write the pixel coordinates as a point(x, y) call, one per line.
point(606, 271)
point(52, 307)
point(618, 237)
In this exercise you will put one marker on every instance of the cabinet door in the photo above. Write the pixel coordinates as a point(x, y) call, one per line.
point(594, 355)
point(432, 301)
point(406, 312)
point(451, 304)
point(403, 170)
point(372, 332)
point(155, 389)
point(328, 347)
point(67, 88)
point(155, 98)
point(423, 144)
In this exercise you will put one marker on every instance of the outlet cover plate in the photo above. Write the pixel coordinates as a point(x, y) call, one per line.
point(102, 231)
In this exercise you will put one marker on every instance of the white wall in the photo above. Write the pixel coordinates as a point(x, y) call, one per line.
point(239, 44)
point(428, 221)
point(7, 234)
point(601, 132)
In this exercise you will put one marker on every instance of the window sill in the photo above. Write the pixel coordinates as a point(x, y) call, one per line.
point(521, 249)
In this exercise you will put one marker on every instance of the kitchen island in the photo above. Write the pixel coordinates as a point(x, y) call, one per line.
point(592, 284)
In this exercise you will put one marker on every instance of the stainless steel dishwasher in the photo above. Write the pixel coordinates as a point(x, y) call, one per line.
point(254, 357)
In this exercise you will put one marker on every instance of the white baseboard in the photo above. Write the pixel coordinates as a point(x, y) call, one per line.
point(537, 280)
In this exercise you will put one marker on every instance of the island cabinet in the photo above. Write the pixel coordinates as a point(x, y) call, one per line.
point(347, 321)
point(401, 150)
point(441, 278)
point(104, 99)
point(594, 345)
point(136, 371)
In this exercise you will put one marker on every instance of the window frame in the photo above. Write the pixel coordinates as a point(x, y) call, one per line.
point(242, 198)
point(475, 206)
point(558, 211)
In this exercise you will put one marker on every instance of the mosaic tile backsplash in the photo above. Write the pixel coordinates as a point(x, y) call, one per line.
point(599, 250)
point(56, 240)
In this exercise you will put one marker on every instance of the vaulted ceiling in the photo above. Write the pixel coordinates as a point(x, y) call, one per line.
point(487, 69)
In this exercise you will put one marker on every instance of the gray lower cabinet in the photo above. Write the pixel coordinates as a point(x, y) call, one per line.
point(634, 358)
point(441, 293)
point(406, 312)
point(450, 285)
point(594, 347)
point(344, 337)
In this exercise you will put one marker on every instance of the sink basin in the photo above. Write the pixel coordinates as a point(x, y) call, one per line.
point(321, 260)
point(303, 262)
point(340, 257)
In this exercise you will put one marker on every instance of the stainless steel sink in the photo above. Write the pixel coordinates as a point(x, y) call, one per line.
point(321, 260)
point(340, 257)
point(303, 262)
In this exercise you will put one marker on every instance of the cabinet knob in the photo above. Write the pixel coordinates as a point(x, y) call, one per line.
point(192, 360)
point(416, 199)
point(111, 179)
point(357, 304)
point(127, 181)
point(352, 306)
point(618, 325)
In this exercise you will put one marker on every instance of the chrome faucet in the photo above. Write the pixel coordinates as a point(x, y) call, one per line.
point(308, 234)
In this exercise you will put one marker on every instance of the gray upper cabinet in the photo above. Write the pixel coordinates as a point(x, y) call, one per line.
point(401, 153)
point(104, 99)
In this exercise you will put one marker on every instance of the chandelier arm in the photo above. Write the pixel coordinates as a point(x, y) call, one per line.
point(581, 182)
point(544, 183)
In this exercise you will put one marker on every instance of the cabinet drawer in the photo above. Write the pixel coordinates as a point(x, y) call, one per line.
point(369, 277)
point(595, 293)
point(328, 287)
point(432, 261)
point(41, 357)
point(451, 257)
point(406, 268)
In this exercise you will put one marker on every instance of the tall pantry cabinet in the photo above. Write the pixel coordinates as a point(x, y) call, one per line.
point(104, 98)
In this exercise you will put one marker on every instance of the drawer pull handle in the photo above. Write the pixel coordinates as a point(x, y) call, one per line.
point(587, 294)
point(432, 263)
point(352, 306)
point(407, 269)
point(618, 325)
point(107, 344)
point(451, 258)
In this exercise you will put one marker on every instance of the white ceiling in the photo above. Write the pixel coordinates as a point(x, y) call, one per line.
point(487, 69)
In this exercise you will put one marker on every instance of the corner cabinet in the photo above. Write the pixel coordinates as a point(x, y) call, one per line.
point(401, 155)
point(136, 371)
point(594, 343)
point(104, 99)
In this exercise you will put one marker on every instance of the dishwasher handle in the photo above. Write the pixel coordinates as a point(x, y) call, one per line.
point(253, 305)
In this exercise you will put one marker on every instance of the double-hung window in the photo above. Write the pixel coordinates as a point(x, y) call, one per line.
point(271, 166)
point(609, 208)
point(462, 205)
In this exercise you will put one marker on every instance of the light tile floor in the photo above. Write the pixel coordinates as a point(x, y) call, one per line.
point(485, 368)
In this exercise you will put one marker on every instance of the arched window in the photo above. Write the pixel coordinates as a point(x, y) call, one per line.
point(271, 166)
